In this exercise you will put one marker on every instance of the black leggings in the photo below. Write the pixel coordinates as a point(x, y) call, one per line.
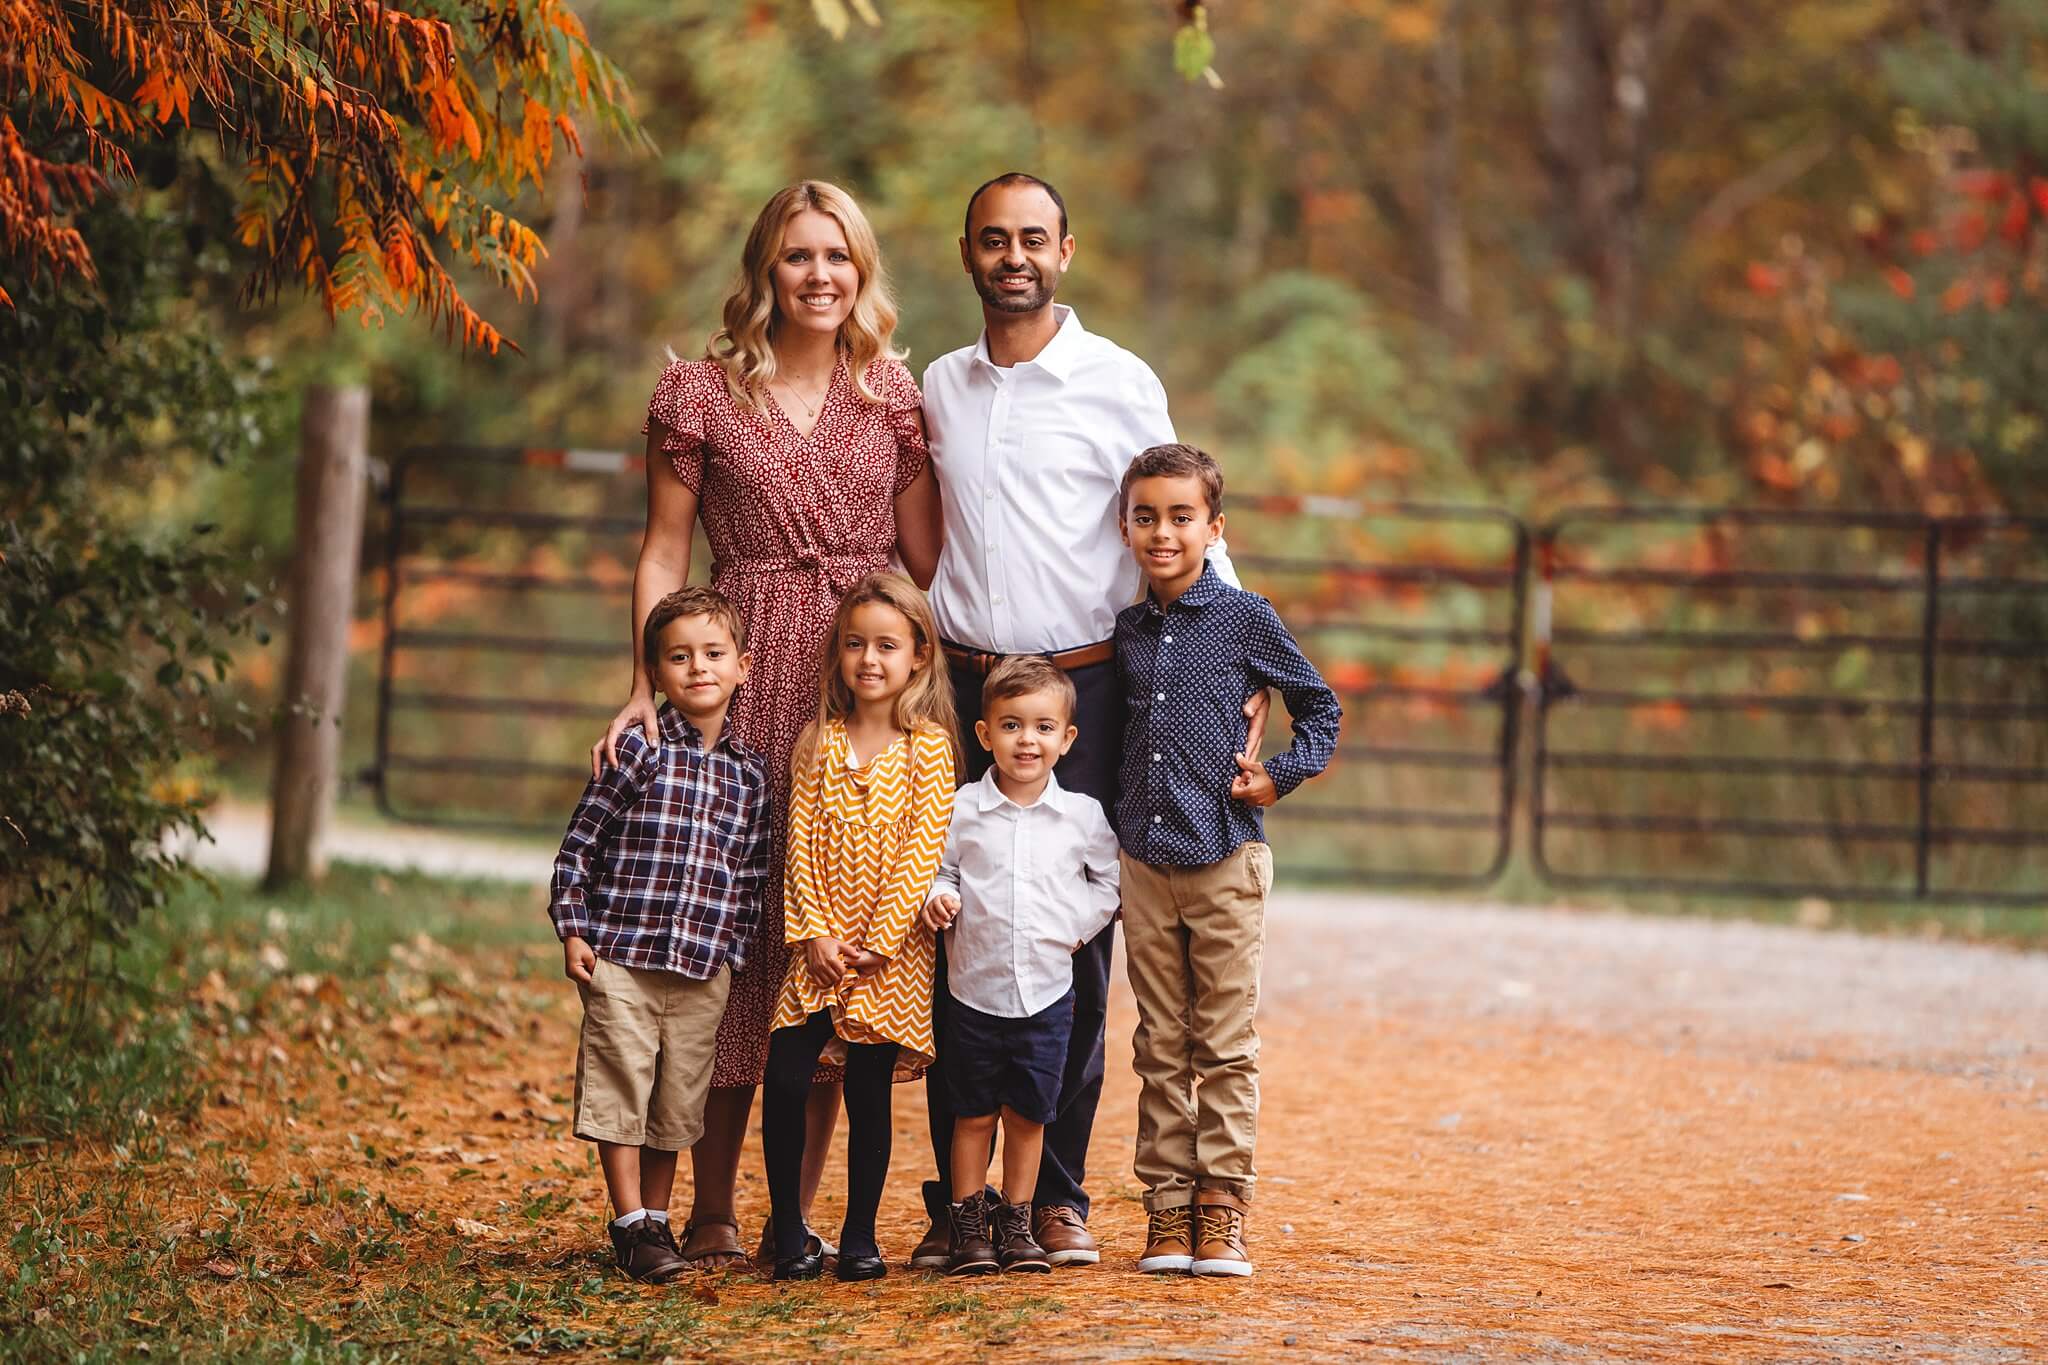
point(792, 1057)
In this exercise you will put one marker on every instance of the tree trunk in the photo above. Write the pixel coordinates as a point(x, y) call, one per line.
point(333, 462)
point(1448, 254)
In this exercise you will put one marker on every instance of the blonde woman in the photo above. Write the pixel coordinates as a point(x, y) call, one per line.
point(798, 440)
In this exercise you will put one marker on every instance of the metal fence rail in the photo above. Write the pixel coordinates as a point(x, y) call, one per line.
point(411, 566)
point(1866, 718)
point(1499, 579)
point(1562, 559)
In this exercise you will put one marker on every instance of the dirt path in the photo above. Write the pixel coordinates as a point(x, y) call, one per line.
point(1487, 1133)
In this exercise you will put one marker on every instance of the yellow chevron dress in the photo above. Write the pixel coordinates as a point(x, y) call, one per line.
point(863, 845)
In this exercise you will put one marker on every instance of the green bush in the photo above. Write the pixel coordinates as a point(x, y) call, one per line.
point(113, 624)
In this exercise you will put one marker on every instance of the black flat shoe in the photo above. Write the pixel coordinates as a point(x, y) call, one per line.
point(808, 1266)
point(862, 1268)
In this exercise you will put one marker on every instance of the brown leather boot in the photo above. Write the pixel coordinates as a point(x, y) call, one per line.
point(1219, 1234)
point(973, 1252)
point(1064, 1236)
point(646, 1251)
point(1015, 1247)
point(935, 1252)
point(1169, 1242)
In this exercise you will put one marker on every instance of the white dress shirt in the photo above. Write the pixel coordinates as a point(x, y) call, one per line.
point(1034, 882)
point(1028, 460)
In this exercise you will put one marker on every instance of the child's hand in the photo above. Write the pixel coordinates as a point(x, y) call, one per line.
point(1256, 708)
point(578, 959)
point(825, 959)
point(1251, 785)
point(864, 963)
point(940, 911)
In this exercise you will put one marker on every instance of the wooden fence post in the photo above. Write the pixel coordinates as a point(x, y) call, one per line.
point(334, 432)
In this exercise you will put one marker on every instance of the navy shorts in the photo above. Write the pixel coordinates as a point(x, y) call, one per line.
point(989, 1061)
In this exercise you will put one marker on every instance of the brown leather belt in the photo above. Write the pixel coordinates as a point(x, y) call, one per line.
point(1068, 659)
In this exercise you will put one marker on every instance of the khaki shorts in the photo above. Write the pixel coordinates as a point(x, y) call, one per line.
point(643, 1065)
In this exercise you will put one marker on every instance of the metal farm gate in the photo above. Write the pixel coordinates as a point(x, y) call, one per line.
point(1696, 701)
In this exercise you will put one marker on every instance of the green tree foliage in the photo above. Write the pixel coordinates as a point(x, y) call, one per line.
point(1548, 211)
point(115, 635)
point(158, 162)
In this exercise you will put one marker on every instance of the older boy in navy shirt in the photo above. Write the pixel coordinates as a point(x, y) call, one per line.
point(1195, 867)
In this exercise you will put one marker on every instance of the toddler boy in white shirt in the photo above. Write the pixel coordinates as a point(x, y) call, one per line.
point(1029, 874)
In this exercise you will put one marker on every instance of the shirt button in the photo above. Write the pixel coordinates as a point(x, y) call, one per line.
point(1155, 758)
point(1156, 819)
point(997, 599)
point(1161, 696)
point(1169, 639)
point(988, 492)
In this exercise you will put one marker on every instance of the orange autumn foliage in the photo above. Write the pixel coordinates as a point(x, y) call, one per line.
point(373, 138)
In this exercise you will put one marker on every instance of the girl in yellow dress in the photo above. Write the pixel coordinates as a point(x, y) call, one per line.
point(870, 796)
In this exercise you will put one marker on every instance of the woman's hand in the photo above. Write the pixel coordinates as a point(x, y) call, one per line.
point(825, 959)
point(638, 710)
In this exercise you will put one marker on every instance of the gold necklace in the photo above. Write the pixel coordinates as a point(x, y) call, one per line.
point(810, 409)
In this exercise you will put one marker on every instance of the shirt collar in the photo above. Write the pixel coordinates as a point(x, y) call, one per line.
point(676, 728)
point(988, 796)
point(1204, 590)
point(1060, 354)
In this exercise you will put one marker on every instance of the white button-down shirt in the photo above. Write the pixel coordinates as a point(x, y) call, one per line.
point(1034, 882)
point(1028, 460)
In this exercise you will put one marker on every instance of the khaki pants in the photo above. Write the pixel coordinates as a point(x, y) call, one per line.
point(643, 1065)
point(1193, 937)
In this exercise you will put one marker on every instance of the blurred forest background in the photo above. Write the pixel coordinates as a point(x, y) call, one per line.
point(1533, 255)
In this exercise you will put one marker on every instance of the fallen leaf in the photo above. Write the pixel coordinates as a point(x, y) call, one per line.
point(224, 1268)
point(469, 1227)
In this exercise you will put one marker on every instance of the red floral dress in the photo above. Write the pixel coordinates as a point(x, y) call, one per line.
point(793, 522)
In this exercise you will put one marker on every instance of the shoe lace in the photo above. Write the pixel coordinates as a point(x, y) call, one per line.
point(1219, 1225)
point(1013, 1221)
point(974, 1218)
point(1060, 1213)
point(1170, 1222)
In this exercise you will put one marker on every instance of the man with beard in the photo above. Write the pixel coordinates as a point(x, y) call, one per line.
point(1031, 429)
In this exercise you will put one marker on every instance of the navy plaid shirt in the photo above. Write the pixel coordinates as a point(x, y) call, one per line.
point(1187, 672)
point(666, 855)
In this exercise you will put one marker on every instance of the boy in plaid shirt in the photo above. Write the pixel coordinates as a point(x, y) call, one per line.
point(656, 897)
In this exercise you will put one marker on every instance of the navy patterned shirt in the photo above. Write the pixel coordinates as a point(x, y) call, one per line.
point(667, 853)
point(1187, 671)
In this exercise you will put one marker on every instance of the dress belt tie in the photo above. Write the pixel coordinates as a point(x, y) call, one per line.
point(840, 572)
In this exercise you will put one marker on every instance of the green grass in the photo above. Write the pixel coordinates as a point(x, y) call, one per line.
point(90, 1063)
point(317, 1266)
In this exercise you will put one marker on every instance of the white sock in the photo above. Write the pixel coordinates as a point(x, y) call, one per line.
point(625, 1221)
point(656, 1215)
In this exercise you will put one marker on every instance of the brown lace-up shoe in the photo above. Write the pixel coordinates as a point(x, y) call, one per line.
point(973, 1252)
point(1064, 1236)
point(1219, 1234)
point(1169, 1242)
point(646, 1251)
point(1015, 1247)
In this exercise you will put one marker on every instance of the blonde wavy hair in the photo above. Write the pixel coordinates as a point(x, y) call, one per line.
point(742, 346)
point(926, 703)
